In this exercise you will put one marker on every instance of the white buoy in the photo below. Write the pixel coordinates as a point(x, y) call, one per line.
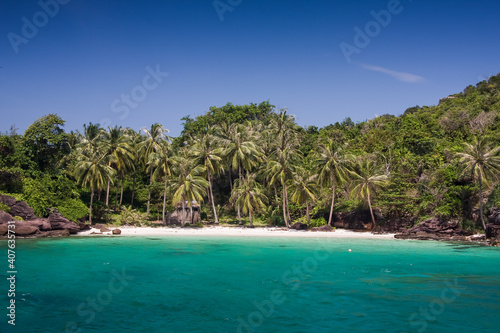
point(350, 250)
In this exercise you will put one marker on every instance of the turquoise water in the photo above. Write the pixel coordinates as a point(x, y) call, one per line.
point(217, 284)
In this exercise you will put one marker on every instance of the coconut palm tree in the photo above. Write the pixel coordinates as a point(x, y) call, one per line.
point(284, 155)
point(151, 144)
point(332, 166)
point(241, 151)
point(92, 169)
point(249, 194)
point(117, 146)
point(303, 187)
point(188, 185)
point(206, 154)
point(483, 164)
point(161, 163)
point(367, 179)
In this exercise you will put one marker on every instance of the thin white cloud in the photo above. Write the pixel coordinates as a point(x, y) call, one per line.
point(401, 76)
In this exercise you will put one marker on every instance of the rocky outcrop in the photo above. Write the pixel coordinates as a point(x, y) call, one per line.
point(355, 220)
point(435, 229)
point(117, 232)
point(299, 226)
point(83, 226)
point(41, 223)
point(59, 222)
point(5, 217)
point(18, 208)
point(3, 229)
point(21, 209)
point(323, 228)
point(25, 230)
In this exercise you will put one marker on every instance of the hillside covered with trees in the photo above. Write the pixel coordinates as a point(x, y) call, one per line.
point(254, 164)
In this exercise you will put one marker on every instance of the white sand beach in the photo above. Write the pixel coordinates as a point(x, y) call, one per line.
point(233, 231)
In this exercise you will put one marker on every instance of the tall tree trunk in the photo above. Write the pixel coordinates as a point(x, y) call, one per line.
point(98, 194)
point(149, 190)
point(121, 190)
point(239, 209)
point(284, 208)
point(287, 205)
point(250, 218)
point(90, 207)
point(331, 207)
point(371, 212)
point(481, 201)
point(164, 200)
point(107, 192)
point(212, 197)
point(116, 194)
point(133, 192)
point(307, 212)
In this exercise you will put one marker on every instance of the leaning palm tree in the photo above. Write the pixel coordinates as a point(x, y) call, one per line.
point(332, 167)
point(92, 169)
point(483, 164)
point(249, 194)
point(151, 144)
point(206, 154)
point(367, 178)
point(303, 187)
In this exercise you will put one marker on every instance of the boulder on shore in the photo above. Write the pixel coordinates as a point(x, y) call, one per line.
point(116, 232)
point(299, 226)
point(435, 229)
point(3, 229)
point(59, 222)
point(25, 230)
point(5, 217)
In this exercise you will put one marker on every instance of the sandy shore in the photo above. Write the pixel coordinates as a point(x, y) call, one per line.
point(233, 231)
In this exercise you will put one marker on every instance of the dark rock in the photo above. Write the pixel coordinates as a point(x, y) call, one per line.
point(492, 231)
point(59, 222)
point(54, 233)
point(494, 215)
point(117, 232)
point(435, 229)
point(323, 228)
point(3, 229)
point(41, 223)
point(99, 226)
point(105, 230)
point(355, 220)
point(5, 217)
point(7, 200)
point(21, 209)
point(83, 226)
point(25, 230)
point(299, 226)
point(96, 233)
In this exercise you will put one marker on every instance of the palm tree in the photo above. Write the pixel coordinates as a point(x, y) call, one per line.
point(241, 151)
point(249, 194)
point(483, 164)
point(332, 165)
point(187, 183)
point(161, 163)
point(152, 143)
point(119, 150)
point(92, 169)
point(284, 156)
point(303, 187)
point(207, 155)
point(367, 179)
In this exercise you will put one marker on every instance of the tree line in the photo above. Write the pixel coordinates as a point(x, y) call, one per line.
point(244, 162)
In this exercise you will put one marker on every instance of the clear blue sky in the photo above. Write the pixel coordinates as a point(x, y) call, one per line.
point(81, 59)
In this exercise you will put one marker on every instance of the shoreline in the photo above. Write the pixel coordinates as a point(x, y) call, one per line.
point(233, 231)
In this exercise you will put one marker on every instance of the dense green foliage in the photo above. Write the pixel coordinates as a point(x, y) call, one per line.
point(255, 161)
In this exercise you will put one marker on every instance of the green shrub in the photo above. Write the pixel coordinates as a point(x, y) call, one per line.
point(131, 216)
point(37, 197)
point(18, 218)
point(315, 223)
point(73, 209)
point(4, 207)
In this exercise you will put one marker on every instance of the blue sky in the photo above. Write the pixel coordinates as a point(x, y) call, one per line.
point(85, 57)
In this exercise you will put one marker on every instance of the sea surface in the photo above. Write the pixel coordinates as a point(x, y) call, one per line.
point(239, 284)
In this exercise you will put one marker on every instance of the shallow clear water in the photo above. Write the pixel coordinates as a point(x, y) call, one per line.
point(222, 284)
